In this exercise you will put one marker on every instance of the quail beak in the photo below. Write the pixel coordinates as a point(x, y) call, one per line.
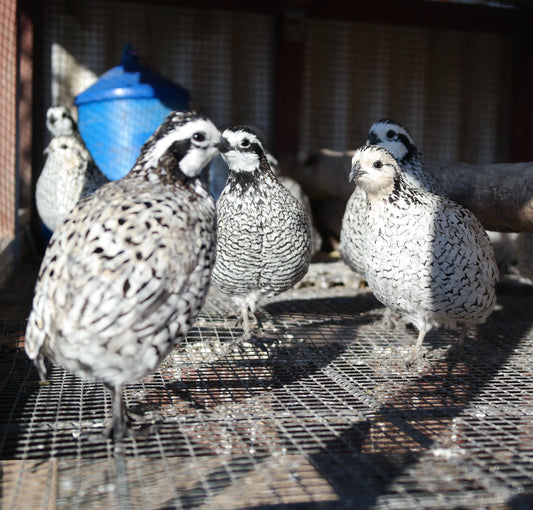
point(356, 172)
point(223, 145)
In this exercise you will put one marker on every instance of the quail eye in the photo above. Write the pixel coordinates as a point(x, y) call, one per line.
point(245, 142)
point(390, 133)
point(64, 146)
point(378, 164)
point(199, 137)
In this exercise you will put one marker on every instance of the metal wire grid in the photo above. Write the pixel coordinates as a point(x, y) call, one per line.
point(452, 82)
point(223, 58)
point(324, 415)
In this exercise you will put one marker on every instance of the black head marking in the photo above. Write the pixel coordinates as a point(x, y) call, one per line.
point(396, 132)
point(179, 148)
point(251, 143)
point(173, 119)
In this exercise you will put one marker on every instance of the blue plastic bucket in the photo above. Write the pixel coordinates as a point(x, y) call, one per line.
point(119, 112)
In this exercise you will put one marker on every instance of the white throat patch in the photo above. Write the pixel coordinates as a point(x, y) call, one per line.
point(241, 161)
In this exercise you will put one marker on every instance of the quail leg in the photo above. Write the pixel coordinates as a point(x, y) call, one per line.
point(417, 352)
point(392, 320)
point(249, 321)
point(41, 368)
point(247, 329)
point(120, 423)
point(457, 350)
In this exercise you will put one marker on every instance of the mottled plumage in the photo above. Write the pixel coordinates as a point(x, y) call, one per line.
point(127, 272)
point(397, 140)
point(263, 243)
point(218, 176)
point(69, 174)
point(425, 257)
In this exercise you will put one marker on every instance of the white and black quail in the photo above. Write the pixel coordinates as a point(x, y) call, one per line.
point(425, 257)
point(127, 272)
point(399, 142)
point(69, 174)
point(264, 240)
point(218, 176)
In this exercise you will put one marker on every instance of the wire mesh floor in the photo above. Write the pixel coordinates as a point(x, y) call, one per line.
point(322, 414)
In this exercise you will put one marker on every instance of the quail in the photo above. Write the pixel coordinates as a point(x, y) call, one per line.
point(264, 240)
point(69, 174)
point(400, 143)
point(425, 257)
point(127, 272)
point(397, 139)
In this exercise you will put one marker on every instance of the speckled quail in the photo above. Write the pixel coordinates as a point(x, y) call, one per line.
point(264, 239)
point(425, 257)
point(127, 272)
point(397, 140)
point(69, 174)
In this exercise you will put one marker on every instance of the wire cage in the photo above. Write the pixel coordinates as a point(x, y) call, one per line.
point(324, 414)
point(327, 417)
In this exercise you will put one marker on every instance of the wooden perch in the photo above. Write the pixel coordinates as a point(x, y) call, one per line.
point(500, 195)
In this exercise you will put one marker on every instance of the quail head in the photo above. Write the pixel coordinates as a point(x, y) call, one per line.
point(425, 257)
point(399, 142)
point(263, 245)
point(59, 121)
point(126, 273)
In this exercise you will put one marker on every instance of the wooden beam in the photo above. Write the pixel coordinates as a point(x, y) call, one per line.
point(25, 103)
point(288, 81)
point(8, 114)
point(500, 195)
